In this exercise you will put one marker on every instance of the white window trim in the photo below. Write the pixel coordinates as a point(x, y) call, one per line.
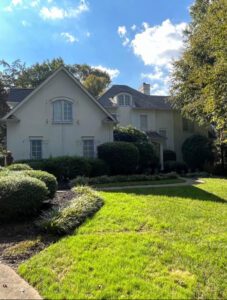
point(36, 138)
point(124, 94)
point(143, 115)
point(90, 138)
point(62, 99)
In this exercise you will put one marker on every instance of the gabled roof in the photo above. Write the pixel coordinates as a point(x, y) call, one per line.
point(139, 99)
point(75, 80)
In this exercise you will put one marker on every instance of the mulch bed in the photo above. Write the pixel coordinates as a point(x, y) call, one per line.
point(14, 233)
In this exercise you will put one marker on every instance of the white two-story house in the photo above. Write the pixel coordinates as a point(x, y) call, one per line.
point(151, 114)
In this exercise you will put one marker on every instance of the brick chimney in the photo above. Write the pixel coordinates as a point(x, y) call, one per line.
point(145, 88)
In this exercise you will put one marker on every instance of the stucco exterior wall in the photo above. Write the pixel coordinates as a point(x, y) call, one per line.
point(168, 120)
point(36, 120)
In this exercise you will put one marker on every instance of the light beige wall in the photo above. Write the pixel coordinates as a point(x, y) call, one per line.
point(169, 120)
point(58, 139)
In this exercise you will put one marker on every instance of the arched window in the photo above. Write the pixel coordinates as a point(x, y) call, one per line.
point(124, 100)
point(62, 111)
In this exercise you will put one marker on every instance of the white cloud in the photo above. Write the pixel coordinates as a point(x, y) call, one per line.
point(112, 72)
point(133, 27)
point(158, 45)
point(52, 13)
point(88, 34)
point(69, 37)
point(17, 2)
point(157, 74)
point(158, 89)
point(35, 3)
point(55, 12)
point(122, 31)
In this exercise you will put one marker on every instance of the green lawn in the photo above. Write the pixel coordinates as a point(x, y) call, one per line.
point(144, 243)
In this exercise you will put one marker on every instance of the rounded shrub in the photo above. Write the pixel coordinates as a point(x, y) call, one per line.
point(129, 134)
point(148, 160)
point(21, 197)
point(169, 155)
point(121, 157)
point(19, 167)
point(98, 167)
point(47, 178)
point(197, 150)
point(175, 166)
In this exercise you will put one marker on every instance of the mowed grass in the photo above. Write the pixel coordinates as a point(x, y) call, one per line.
point(154, 243)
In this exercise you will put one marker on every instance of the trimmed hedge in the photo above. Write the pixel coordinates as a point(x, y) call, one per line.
point(19, 167)
point(197, 150)
point(20, 197)
point(169, 155)
point(148, 159)
point(97, 167)
point(129, 134)
point(120, 178)
point(175, 166)
point(121, 157)
point(65, 219)
point(45, 177)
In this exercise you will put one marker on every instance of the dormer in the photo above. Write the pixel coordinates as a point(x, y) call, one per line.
point(123, 99)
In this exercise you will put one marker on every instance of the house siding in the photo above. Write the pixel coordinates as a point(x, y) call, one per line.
point(36, 120)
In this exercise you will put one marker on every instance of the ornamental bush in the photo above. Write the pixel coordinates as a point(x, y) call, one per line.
point(129, 134)
point(20, 197)
point(98, 167)
point(64, 220)
point(19, 167)
point(169, 155)
point(197, 150)
point(175, 166)
point(121, 157)
point(47, 178)
point(148, 160)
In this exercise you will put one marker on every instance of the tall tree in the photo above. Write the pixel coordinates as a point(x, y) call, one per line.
point(199, 78)
point(17, 74)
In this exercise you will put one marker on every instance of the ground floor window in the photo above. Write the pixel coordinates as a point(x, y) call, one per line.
point(88, 147)
point(36, 148)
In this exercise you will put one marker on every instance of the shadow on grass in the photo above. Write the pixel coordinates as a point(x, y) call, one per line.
point(188, 192)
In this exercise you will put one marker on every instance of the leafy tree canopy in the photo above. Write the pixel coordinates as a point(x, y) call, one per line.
point(199, 80)
point(17, 74)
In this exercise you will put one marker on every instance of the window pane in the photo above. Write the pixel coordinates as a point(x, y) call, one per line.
point(67, 111)
point(143, 122)
point(57, 111)
point(36, 149)
point(127, 100)
point(121, 100)
point(88, 148)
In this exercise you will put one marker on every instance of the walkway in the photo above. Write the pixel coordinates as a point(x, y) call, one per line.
point(188, 181)
point(12, 286)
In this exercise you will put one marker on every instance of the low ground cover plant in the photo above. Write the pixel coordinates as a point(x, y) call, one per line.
point(120, 178)
point(21, 196)
point(64, 219)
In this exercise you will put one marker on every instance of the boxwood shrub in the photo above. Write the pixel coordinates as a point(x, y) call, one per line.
point(148, 159)
point(47, 178)
point(19, 167)
point(121, 157)
point(20, 197)
point(169, 155)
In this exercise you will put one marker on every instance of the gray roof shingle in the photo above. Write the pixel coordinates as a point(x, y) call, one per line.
point(18, 94)
point(139, 99)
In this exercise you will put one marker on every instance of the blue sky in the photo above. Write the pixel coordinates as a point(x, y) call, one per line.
point(134, 40)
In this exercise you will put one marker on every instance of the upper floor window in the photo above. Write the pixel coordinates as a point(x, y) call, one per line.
point(62, 111)
point(187, 125)
point(124, 100)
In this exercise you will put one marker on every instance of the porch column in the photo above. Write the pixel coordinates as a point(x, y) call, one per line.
point(161, 157)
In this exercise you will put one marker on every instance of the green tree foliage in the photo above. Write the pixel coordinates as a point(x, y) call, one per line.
point(129, 134)
point(18, 75)
point(3, 110)
point(197, 150)
point(199, 80)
